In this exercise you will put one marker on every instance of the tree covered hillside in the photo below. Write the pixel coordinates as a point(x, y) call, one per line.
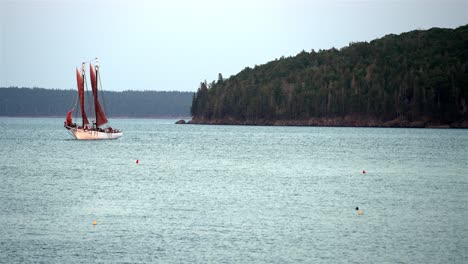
point(418, 78)
point(50, 102)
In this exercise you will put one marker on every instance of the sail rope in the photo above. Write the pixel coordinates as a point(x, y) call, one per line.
point(101, 91)
point(74, 106)
point(88, 94)
point(90, 60)
point(88, 97)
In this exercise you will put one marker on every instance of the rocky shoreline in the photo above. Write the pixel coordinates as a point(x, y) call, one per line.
point(333, 122)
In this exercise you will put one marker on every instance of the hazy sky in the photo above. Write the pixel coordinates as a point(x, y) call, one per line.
point(176, 44)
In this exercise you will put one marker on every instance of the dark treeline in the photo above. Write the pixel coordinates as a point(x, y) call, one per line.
point(418, 78)
point(53, 102)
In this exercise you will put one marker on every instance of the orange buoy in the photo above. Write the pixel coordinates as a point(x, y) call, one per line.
point(94, 222)
point(137, 161)
point(359, 211)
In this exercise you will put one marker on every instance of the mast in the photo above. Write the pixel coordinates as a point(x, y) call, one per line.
point(101, 118)
point(80, 82)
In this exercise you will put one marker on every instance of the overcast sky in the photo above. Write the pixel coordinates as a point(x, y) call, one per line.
point(176, 44)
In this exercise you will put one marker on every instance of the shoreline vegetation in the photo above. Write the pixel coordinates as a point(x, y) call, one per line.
point(332, 122)
point(40, 102)
point(415, 79)
point(113, 117)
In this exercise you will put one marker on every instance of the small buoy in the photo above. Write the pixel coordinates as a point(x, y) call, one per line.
point(359, 211)
point(137, 161)
point(363, 172)
point(94, 222)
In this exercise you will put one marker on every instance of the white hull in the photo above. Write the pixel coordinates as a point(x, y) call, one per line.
point(86, 134)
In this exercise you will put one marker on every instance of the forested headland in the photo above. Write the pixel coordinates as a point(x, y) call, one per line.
point(39, 102)
point(415, 79)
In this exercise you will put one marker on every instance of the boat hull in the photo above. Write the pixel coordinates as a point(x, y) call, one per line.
point(88, 134)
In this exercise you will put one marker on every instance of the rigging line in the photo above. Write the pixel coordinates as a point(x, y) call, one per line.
point(75, 107)
point(75, 97)
point(102, 94)
point(75, 100)
point(90, 60)
point(88, 101)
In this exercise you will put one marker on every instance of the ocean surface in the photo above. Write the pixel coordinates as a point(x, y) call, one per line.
point(232, 194)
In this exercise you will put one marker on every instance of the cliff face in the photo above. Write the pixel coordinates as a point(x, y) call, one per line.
point(416, 79)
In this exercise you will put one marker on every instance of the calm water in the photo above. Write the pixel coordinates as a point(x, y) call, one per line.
point(230, 194)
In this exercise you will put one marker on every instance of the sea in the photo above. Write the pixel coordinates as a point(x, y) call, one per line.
point(166, 193)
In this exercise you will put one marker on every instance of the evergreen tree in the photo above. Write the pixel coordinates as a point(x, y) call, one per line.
point(419, 75)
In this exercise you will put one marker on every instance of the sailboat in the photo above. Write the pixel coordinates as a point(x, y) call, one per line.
point(96, 130)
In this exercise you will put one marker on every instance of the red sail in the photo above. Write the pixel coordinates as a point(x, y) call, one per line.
point(101, 118)
point(79, 79)
point(69, 117)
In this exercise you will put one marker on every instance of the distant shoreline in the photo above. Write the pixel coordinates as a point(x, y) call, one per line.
point(334, 122)
point(314, 122)
point(44, 103)
point(112, 117)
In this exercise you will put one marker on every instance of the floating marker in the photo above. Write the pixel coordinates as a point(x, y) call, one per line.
point(137, 161)
point(363, 172)
point(359, 211)
point(94, 222)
